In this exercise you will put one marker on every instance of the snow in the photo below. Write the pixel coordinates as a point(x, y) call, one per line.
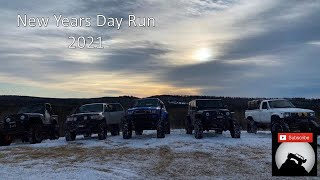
point(178, 156)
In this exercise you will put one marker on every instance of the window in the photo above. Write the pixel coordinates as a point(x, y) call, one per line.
point(264, 105)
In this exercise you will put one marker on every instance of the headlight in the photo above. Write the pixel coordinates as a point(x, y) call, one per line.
point(312, 114)
point(85, 118)
point(75, 118)
point(286, 114)
point(22, 117)
point(207, 114)
point(130, 112)
point(227, 113)
point(8, 120)
point(69, 118)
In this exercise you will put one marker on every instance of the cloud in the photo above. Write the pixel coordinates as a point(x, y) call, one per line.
point(258, 49)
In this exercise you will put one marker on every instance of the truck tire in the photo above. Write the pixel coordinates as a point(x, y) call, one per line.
point(279, 126)
point(115, 130)
point(87, 135)
point(235, 130)
point(70, 136)
point(198, 129)
point(102, 131)
point(188, 126)
point(35, 134)
point(167, 126)
point(126, 129)
point(5, 140)
point(252, 126)
point(138, 132)
point(160, 128)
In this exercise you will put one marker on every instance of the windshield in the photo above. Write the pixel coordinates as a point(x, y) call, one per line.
point(209, 104)
point(32, 109)
point(147, 103)
point(281, 104)
point(90, 108)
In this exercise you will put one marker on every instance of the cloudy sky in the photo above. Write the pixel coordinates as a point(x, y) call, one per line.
point(208, 47)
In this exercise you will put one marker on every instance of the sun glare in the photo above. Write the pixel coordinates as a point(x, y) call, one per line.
point(203, 54)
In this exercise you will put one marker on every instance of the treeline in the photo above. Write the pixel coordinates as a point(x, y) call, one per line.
point(176, 105)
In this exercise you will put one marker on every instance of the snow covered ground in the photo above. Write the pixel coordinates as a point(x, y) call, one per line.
point(178, 156)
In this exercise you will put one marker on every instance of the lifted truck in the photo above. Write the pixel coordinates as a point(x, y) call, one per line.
point(146, 114)
point(281, 115)
point(32, 124)
point(94, 118)
point(210, 114)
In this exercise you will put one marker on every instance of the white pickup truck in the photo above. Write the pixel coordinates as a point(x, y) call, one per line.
point(280, 115)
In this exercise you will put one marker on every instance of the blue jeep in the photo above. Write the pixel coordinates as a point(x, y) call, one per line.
point(146, 114)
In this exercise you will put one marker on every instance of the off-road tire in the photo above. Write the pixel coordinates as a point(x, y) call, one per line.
point(252, 126)
point(87, 135)
point(5, 140)
point(138, 132)
point(126, 129)
point(35, 134)
point(198, 129)
point(70, 136)
point(235, 130)
point(160, 128)
point(167, 126)
point(115, 130)
point(102, 131)
point(279, 126)
point(188, 126)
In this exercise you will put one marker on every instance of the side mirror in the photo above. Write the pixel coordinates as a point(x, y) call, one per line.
point(161, 106)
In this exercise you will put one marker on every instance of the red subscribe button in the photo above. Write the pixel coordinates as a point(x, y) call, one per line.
point(295, 137)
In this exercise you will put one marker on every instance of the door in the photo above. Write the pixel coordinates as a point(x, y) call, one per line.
point(264, 115)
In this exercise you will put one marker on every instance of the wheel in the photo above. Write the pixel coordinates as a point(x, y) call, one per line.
point(160, 128)
point(126, 129)
point(198, 129)
point(167, 126)
point(252, 126)
point(35, 134)
point(235, 130)
point(87, 135)
point(70, 136)
point(5, 140)
point(188, 126)
point(138, 132)
point(279, 126)
point(115, 130)
point(102, 131)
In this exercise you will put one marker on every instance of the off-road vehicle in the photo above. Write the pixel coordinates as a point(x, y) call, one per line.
point(32, 124)
point(280, 115)
point(94, 118)
point(210, 114)
point(146, 114)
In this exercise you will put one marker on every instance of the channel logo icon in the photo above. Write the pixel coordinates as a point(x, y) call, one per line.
point(294, 154)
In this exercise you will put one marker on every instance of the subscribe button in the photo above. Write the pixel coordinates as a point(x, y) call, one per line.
point(295, 137)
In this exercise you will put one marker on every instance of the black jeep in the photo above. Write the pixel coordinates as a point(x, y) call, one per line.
point(210, 114)
point(32, 124)
point(87, 119)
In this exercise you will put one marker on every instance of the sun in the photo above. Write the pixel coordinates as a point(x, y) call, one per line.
point(203, 54)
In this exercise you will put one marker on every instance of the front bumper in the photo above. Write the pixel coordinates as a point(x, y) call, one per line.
point(83, 126)
point(213, 123)
point(144, 121)
point(12, 128)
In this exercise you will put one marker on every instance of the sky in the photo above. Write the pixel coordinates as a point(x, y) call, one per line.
point(242, 48)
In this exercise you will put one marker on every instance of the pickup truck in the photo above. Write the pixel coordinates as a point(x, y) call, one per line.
point(281, 115)
point(32, 124)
